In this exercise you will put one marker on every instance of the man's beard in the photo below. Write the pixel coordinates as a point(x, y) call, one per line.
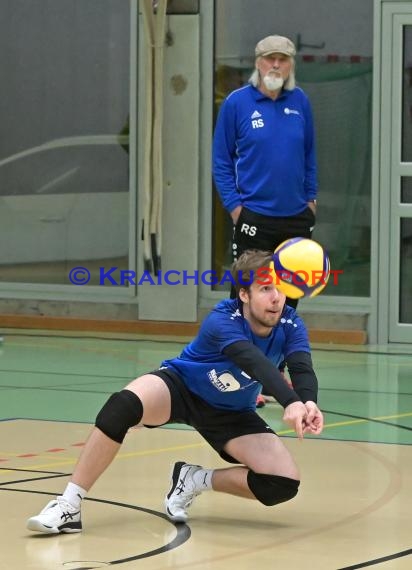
point(273, 82)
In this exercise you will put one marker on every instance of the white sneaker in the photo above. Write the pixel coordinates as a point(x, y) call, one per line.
point(57, 516)
point(182, 491)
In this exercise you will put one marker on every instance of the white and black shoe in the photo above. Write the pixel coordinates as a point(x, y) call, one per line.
point(56, 517)
point(182, 491)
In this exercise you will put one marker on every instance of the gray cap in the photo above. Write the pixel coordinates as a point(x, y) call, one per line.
point(275, 44)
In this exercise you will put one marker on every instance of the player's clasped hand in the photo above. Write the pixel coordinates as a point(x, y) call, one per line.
point(295, 416)
point(304, 418)
point(314, 419)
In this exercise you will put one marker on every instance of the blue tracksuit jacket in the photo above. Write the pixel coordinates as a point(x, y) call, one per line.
point(264, 152)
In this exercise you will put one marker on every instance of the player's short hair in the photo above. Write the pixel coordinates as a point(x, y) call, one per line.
point(245, 269)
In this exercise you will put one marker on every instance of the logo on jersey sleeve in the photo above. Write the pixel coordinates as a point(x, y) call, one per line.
point(288, 322)
point(236, 314)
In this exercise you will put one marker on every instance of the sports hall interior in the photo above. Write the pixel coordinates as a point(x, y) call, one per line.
point(94, 211)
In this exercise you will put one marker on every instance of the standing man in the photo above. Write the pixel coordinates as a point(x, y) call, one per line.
point(264, 162)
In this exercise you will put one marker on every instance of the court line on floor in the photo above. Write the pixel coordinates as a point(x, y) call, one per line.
point(390, 492)
point(363, 419)
point(356, 421)
point(112, 380)
point(120, 455)
point(174, 448)
point(374, 392)
point(393, 487)
point(17, 481)
point(379, 560)
point(317, 347)
point(183, 531)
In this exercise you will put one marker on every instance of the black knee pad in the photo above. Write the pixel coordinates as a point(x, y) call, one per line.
point(122, 411)
point(272, 489)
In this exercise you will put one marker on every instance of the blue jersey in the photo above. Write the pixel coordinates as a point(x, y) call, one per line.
point(207, 372)
point(264, 152)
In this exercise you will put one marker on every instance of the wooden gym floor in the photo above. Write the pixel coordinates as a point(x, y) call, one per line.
point(353, 509)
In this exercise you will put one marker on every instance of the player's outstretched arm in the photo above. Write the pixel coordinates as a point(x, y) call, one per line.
point(251, 360)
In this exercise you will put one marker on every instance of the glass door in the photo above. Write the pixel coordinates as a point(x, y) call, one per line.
point(396, 186)
point(64, 151)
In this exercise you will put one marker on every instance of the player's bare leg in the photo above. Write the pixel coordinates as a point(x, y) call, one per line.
point(270, 475)
point(151, 398)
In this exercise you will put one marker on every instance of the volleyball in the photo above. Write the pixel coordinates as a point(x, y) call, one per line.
point(300, 268)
